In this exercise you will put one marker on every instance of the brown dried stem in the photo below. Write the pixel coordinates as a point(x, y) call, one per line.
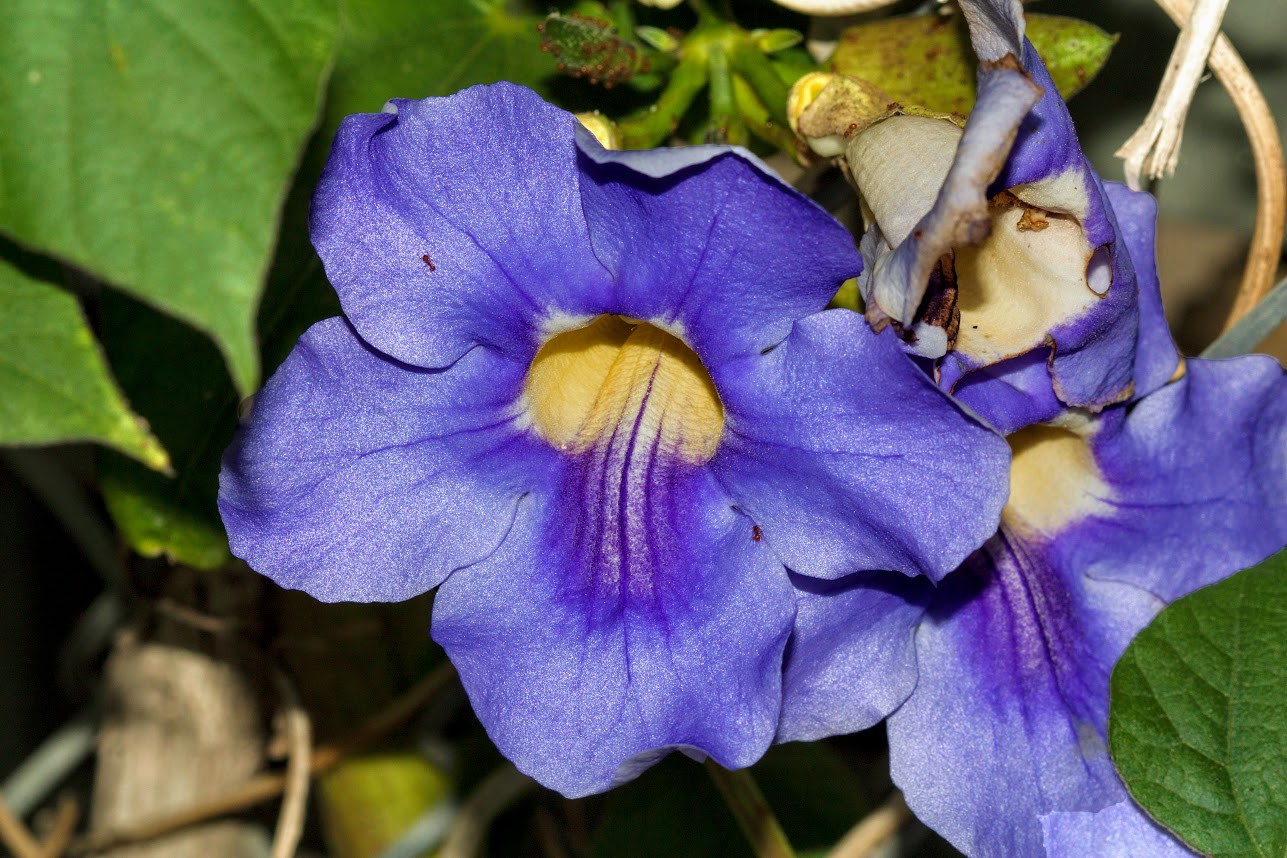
point(66, 815)
point(15, 835)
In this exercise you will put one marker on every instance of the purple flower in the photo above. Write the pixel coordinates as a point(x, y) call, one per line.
point(1002, 669)
point(595, 397)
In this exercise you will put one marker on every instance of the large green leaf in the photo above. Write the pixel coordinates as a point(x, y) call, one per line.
point(411, 48)
point(926, 60)
point(1198, 723)
point(54, 385)
point(152, 142)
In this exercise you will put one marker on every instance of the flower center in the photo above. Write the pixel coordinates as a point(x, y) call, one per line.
point(621, 378)
point(1054, 480)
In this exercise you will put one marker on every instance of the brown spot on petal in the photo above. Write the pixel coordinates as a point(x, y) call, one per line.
point(1006, 62)
point(1031, 219)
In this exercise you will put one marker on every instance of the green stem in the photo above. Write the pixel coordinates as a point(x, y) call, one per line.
point(703, 10)
point(622, 15)
point(725, 125)
point(659, 63)
point(752, 812)
point(763, 78)
point(757, 119)
point(651, 127)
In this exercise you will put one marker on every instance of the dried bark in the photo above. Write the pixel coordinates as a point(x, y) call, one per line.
point(182, 719)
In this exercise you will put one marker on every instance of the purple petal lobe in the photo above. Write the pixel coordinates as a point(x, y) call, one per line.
point(1009, 717)
point(851, 659)
point(1046, 161)
point(663, 162)
point(835, 444)
point(996, 27)
point(1198, 479)
point(1009, 395)
point(630, 610)
point(359, 478)
point(1104, 326)
point(456, 221)
point(1121, 830)
point(1156, 357)
point(1095, 350)
point(694, 252)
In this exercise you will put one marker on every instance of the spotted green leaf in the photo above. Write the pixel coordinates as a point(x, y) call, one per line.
point(926, 60)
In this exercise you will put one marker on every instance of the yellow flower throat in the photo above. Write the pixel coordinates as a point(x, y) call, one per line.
point(620, 378)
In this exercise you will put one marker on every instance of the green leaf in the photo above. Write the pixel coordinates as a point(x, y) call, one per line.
point(926, 60)
point(176, 378)
point(591, 48)
point(1198, 720)
point(152, 142)
point(1252, 329)
point(387, 48)
point(418, 48)
point(54, 384)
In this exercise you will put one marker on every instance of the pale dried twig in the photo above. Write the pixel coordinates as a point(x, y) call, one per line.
point(1154, 148)
point(1267, 151)
point(298, 729)
point(873, 830)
